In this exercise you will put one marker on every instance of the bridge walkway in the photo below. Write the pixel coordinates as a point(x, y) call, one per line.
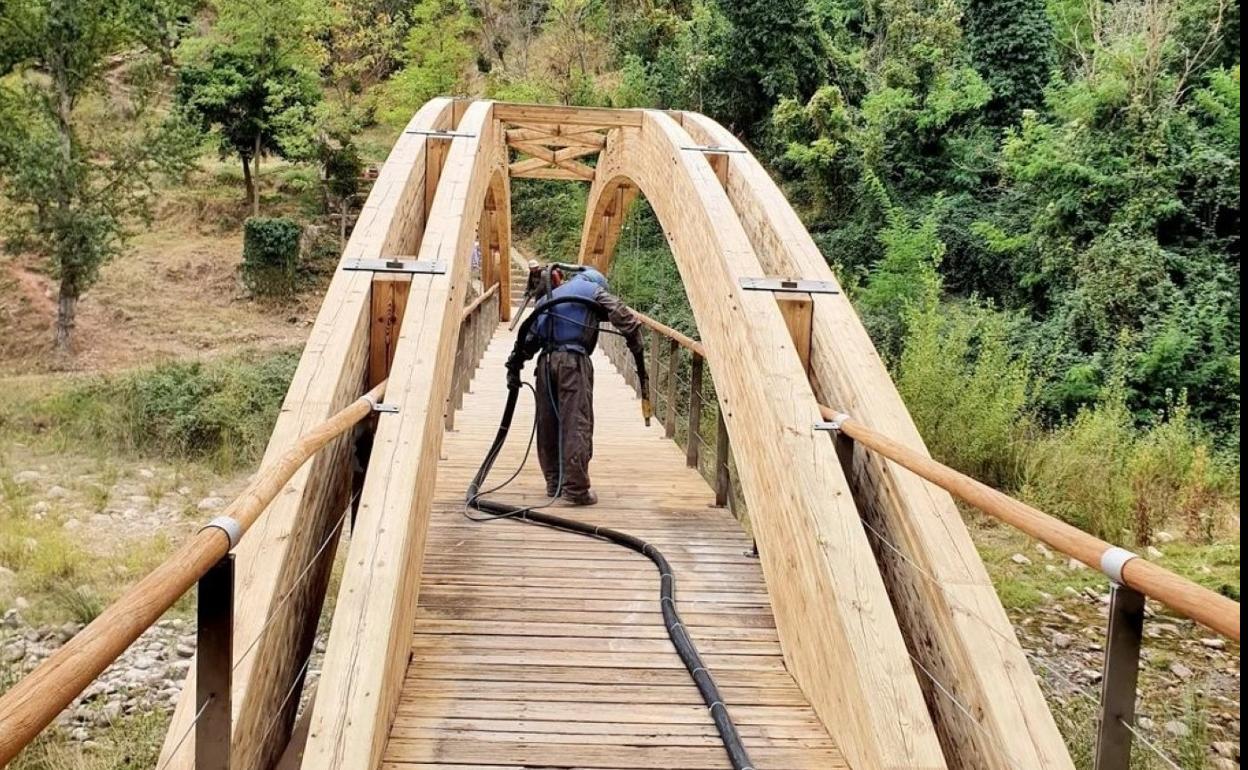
point(537, 648)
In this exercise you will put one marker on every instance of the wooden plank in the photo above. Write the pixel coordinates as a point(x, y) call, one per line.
point(535, 168)
point(369, 636)
point(837, 628)
point(970, 648)
point(553, 155)
point(516, 136)
point(273, 559)
point(575, 116)
point(553, 639)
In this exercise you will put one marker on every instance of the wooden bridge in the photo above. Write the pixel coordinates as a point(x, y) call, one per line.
point(844, 610)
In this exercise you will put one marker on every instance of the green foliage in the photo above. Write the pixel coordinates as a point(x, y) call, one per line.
point(258, 103)
point(435, 55)
point(221, 411)
point(271, 255)
point(73, 185)
point(1011, 43)
point(966, 388)
point(904, 279)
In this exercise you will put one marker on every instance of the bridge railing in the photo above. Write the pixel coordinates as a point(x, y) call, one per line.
point(205, 562)
point(1132, 579)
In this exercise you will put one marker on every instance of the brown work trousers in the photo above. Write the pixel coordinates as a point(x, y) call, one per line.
point(565, 413)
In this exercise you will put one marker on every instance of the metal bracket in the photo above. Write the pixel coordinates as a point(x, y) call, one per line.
point(434, 134)
point(715, 150)
point(230, 526)
point(835, 424)
point(387, 408)
point(1112, 562)
point(784, 285)
point(406, 266)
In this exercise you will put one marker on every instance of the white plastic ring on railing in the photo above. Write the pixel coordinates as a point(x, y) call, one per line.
point(1113, 560)
point(232, 529)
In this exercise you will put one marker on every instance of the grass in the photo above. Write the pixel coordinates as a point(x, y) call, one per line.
point(220, 411)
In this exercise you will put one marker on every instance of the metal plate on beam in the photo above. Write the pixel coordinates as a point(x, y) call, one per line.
point(789, 286)
point(439, 134)
point(407, 266)
point(387, 408)
point(714, 150)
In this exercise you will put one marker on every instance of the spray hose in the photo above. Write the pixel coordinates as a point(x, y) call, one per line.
point(676, 630)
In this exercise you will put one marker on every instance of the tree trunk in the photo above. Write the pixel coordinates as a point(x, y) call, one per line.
point(66, 316)
point(255, 190)
point(250, 185)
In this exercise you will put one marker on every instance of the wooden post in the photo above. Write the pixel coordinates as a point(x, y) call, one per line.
point(1121, 673)
point(388, 301)
point(214, 664)
point(436, 149)
point(654, 367)
point(722, 481)
point(695, 412)
point(673, 362)
point(798, 311)
point(456, 368)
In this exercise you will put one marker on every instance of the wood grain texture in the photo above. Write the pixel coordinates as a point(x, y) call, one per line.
point(369, 637)
point(278, 548)
point(954, 624)
point(836, 624)
point(583, 674)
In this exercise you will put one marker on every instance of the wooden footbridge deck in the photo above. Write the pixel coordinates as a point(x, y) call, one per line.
point(862, 632)
point(539, 648)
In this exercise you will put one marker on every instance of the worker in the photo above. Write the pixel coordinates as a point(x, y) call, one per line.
point(566, 336)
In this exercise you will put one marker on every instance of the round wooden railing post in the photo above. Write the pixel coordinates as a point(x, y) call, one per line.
point(722, 480)
point(654, 366)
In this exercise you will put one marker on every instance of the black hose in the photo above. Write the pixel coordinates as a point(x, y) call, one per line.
point(676, 630)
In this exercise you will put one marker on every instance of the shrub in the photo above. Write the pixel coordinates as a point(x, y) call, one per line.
point(221, 411)
point(270, 255)
point(965, 388)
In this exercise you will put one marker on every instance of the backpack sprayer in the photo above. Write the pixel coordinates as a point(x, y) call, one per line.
point(542, 280)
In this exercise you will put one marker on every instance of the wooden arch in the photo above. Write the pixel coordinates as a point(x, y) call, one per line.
point(844, 647)
point(978, 656)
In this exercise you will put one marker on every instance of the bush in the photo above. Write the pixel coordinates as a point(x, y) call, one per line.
point(965, 389)
point(270, 255)
point(222, 411)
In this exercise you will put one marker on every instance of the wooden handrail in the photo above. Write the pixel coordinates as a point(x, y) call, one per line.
point(31, 704)
point(1176, 592)
point(479, 301)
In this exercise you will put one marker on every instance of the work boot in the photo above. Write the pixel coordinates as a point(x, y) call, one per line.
point(588, 498)
point(552, 489)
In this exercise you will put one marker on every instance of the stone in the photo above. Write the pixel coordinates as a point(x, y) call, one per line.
point(1075, 564)
point(1177, 729)
point(1044, 551)
point(57, 492)
point(26, 477)
point(184, 650)
point(147, 473)
point(1062, 641)
point(1180, 670)
point(1213, 643)
point(14, 653)
point(1153, 552)
point(1091, 674)
point(1222, 763)
point(211, 504)
point(1163, 537)
point(1226, 749)
point(12, 618)
point(40, 507)
point(72, 524)
point(79, 734)
point(1019, 559)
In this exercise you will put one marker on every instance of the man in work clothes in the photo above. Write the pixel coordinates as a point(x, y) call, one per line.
point(566, 335)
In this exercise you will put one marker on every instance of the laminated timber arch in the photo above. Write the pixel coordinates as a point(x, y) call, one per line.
point(840, 639)
point(974, 656)
point(330, 374)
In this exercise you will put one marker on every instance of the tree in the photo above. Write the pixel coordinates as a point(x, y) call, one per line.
point(1011, 43)
point(258, 105)
point(74, 184)
point(437, 51)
